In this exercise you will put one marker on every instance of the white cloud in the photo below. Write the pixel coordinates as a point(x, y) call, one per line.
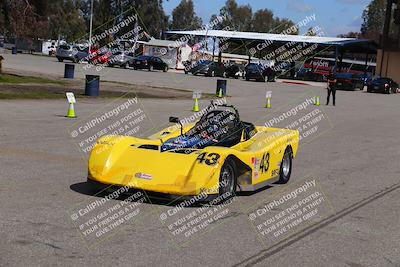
point(299, 6)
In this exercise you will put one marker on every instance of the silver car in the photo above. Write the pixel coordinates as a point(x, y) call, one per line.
point(73, 53)
point(121, 59)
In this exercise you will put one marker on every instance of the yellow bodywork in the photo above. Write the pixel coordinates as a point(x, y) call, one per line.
point(137, 163)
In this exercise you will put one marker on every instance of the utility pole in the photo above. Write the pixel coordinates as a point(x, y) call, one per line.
point(91, 26)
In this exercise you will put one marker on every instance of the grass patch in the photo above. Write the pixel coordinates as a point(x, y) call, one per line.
point(33, 95)
point(168, 90)
point(16, 79)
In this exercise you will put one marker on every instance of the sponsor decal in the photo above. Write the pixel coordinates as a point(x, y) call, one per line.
point(143, 176)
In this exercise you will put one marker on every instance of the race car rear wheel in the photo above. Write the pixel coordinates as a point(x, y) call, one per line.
point(227, 179)
point(286, 166)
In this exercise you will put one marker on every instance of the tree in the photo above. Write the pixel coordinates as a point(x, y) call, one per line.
point(22, 19)
point(285, 26)
point(237, 17)
point(350, 35)
point(67, 21)
point(2, 17)
point(184, 17)
point(41, 7)
point(263, 21)
point(373, 19)
point(310, 32)
point(241, 18)
point(152, 17)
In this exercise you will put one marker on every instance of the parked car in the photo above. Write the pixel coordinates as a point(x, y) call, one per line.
point(349, 81)
point(150, 63)
point(382, 85)
point(99, 56)
point(187, 66)
point(208, 68)
point(307, 74)
point(366, 78)
point(234, 71)
point(73, 53)
point(258, 72)
point(120, 59)
point(285, 69)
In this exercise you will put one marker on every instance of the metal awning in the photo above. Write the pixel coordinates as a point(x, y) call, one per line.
point(353, 44)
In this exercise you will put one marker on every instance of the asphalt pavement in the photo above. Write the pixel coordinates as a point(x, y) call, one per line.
point(353, 157)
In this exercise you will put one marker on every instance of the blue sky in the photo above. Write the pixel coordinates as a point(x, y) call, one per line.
point(334, 16)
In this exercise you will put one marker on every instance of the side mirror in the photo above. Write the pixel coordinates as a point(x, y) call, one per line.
point(174, 119)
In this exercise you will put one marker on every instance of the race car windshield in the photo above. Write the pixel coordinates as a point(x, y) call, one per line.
point(215, 125)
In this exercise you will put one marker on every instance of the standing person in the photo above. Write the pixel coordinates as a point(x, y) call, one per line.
point(331, 88)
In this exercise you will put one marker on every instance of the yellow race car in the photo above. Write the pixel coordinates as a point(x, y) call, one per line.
point(217, 155)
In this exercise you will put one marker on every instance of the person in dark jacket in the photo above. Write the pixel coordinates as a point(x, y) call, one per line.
point(331, 88)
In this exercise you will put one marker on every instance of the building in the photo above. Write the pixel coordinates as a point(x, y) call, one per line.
point(286, 48)
point(388, 56)
point(225, 57)
point(172, 52)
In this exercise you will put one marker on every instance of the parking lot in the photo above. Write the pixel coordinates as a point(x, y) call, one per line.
point(354, 159)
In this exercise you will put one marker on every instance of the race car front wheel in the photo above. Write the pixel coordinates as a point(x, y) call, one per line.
point(227, 179)
point(286, 166)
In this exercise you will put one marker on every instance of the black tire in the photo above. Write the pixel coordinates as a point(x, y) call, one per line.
point(165, 69)
point(247, 78)
point(123, 66)
point(151, 68)
point(60, 59)
point(286, 166)
point(75, 60)
point(135, 68)
point(227, 180)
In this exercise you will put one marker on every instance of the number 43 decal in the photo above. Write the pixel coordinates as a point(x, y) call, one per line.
point(209, 159)
point(264, 165)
